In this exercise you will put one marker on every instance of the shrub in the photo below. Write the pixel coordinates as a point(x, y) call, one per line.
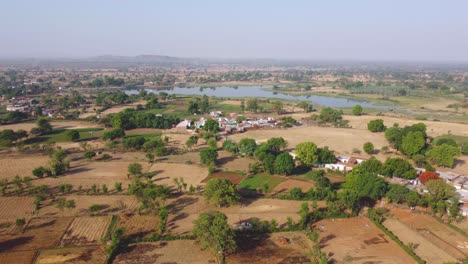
point(368, 147)
point(89, 154)
point(40, 172)
point(427, 176)
point(376, 125)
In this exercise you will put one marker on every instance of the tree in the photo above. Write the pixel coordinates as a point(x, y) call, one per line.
point(213, 231)
point(220, 192)
point(326, 156)
point(252, 105)
point(394, 136)
point(72, 135)
point(397, 193)
point(413, 143)
point(360, 186)
point(135, 169)
point(307, 153)
point(40, 172)
point(368, 148)
point(247, 146)
point(284, 164)
point(192, 140)
point(439, 190)
point(426, 176)
point(211, 125)
point(208, 156)
point(204, 104)
point(44, 126)
point(276, 144)
point(278, 107)
point(58, 164)
point(212, 144)
point(113, 134)
point(371, 165)
point(443, 155)
point(376, 125)
point(89, 154)
point(230, 146)
point(306, 106)
point(330, 115)
point(242, 106)
point(448, 141)
point(398, 167)
point(357, 110)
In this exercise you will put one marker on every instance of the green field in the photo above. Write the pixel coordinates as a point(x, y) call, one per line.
point(58, 135)
point(459, 139)
point(226, 107)
point(259, 181)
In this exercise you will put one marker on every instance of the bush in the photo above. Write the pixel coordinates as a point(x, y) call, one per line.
point(376, 125)
point(368, 147)
point(89, 154)
point(72, 135)
point(427, 176)
point(40, 172)
point(357, 110)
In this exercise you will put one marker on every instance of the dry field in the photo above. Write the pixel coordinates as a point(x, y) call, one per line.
point(139, 225)
point(8, 227)
point(111, 204)
point(424, 248)
point(358, 240)
point(18, 257)
point(21, 165)
point(273, 249)
point(16, 207)
point(55, 124)
point(119, 108)
point(234, 178)
point(226, 161)
point(40, 233)
point(185, 209)
point(86, 231)
point(174, 252)
point(290, 184)
point(441, 235)
point(72, 255)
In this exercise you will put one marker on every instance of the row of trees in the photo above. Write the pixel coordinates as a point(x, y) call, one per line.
point(131, 119)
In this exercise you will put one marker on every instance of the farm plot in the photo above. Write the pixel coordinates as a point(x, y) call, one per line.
point(234, 177)
point(109, 204)
point(21, 165)
point(358, 240)
point(439, 234)
point(177, 251)
point(290, 184)
point(185, 209)
point(8, 227)
point(40, 233)
point(86, 231)
point(16, 207)
point(424, 248)
point(56, 125)
point(290, 247)
point(18, 257)
point(139, 225)
point(72, 255)
point(231, 163)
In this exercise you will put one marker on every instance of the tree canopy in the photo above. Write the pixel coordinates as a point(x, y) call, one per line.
point(376, 125)
point(284, 164)
point(220, 192)
point(443, 155)
point(307, 153)
point(357, 110)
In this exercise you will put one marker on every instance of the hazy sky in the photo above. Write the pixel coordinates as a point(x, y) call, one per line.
point(294, 29)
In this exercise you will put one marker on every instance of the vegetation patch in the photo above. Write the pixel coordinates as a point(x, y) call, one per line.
point(260, 181)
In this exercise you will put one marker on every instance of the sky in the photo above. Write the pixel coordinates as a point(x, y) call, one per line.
point(376, 30)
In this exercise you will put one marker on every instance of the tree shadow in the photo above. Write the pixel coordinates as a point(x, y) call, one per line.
point(49, 223)
point(181, 203)
point(224, 160)
point(12, 243)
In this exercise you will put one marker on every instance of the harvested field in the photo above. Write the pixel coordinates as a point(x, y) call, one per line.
point(18, 257)
point(111, 204)
point(358, 240)
point(55, 124)
point(21, 165)
point(234, 178)
point(16, 207)
point(139, 225)
point(226, 161)
point(290, 184)
point(439, 234)
point(86, 231)
point(177, 251)
point(185, 209)
point(8, 227)
point(119, 108)
point(285, 247)
point(40, 233)
point(424, 248)
point(72, 255)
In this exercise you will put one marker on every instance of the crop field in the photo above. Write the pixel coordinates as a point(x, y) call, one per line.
point(226, 161)
point(59, 135)
point(424, 247)
point(358, 240)
point(16, 207)
point(289, 184)
point(138, 225)
point(18, 257)
point(234, 177)
point(68, 124)
point(39, 233)
point(445, 238)
point(86, 231)
point(72, 255)
point(260, 181)
point(177, 251)
point(291, 247)
point(21, 165)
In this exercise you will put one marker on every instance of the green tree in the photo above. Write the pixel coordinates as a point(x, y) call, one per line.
point(443, 155)
point(276, 144)
point(213, 232)
point(439, 190)
point(398, 167)
point(368, 148)
point(376, 125)
point(212, 144)
point(44, 126)
point(72, 135)
point(192, 140)
point(113, 134)
point(277, 106)
point(397, 193)
point(135, 169)
point(307, 153)
point(211, 125)
point(247, 146)
point(359, 187)
point(284, 164)
point(330, 115)
point(220, 192)
point(89, 154)
point(242, 105)
point(413, 143)
point(208, 156)
point(371, 165)
point(252, 105)
point(357, 110)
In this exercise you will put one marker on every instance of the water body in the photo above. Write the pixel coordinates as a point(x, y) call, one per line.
point(261, 92)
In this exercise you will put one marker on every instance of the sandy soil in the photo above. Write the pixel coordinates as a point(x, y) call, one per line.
point(226, 161)
point(77, 255)
point(120, 108)
point(439, 234)
point(358, 240)
point(86, 231)
point(185, 209)
point(21, 165)
point(424, 248)
point(178, 251)
point(18, 257)
point(290, 184)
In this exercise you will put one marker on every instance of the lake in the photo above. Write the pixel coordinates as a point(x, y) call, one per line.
point(261, 92)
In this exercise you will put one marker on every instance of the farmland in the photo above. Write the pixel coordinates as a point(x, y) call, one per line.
point(85, 231)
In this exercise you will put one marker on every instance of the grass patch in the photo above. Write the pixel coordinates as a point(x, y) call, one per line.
point(146, 136)
point(226, 107)
point(58, 135)
point(459, 139)
point(259, 181)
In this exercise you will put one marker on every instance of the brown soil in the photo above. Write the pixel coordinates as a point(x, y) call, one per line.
point(78, 255)
point(176, 252)
point(290, 184)
point(358, 240)
point(86, 231)
point(233, 177)
point(139, 225)
point(56, 125)
point(16, 207)
point(21, 165)
point(18, 257)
